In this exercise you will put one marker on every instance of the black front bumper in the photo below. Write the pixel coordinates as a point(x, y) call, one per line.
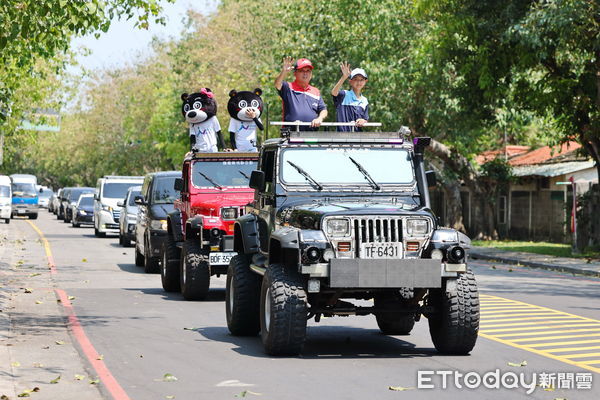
point(157, 238)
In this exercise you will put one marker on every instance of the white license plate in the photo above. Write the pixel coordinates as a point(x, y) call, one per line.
point(21, 211)
point(221, 258)
point(381, 250)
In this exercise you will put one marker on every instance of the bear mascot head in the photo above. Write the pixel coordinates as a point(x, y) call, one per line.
point(199, 107)
point(240, 102)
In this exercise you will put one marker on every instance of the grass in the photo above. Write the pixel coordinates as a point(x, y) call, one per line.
point(546, 248)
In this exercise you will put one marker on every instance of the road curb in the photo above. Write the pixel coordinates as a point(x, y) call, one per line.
point(534, 264)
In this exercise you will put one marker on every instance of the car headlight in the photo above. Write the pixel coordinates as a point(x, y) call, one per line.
point(416, 227)
point(228, 213)
point(107, 208)
point(338, 227)
point(82, 212)
point(159, 224)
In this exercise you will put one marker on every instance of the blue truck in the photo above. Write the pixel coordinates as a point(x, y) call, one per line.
point(24, 195)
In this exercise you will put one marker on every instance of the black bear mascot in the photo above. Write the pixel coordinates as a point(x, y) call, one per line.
point(245, 109)
point(200, 110)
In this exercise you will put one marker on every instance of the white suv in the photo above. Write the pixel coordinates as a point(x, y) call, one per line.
point(109, 191)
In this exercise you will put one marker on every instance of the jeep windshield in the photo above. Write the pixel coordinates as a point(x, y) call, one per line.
point(230, 173)
point(369, 167)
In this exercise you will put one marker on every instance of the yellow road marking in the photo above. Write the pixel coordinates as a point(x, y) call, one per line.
point(561, 349)
point(513, 321)
point(49, 255)
point(565, 343)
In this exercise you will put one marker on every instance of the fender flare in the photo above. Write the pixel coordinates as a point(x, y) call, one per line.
point(193, 227)
point(174, 226)
point(245, 236)
point(284, 247)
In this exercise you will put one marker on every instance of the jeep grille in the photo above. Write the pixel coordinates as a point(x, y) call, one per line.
point(377, 229)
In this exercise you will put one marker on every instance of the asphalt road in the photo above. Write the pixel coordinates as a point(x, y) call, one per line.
point(143, 333)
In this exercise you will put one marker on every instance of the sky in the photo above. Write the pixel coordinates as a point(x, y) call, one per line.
point(122, 43)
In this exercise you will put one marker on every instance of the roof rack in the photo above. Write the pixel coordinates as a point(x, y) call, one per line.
point(297, 136)
point(225, 154)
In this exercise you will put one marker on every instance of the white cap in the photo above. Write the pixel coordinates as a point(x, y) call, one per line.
point(358, 71)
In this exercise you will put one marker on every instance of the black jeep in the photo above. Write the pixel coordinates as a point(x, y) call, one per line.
point(340, 217)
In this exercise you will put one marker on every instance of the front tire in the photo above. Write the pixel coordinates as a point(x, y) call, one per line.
point(242, 298)
point(283, 311)
point(455, 325)
point(169, 271)
point(395, 323)
point(195, 271)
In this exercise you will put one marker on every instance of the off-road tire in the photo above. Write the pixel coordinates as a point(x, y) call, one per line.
point(283, 292)
point(455, 325)
point(139, 258)
point(242, 297)
point(195, 271)
point(392, 323)
point(151, 263)
point(169, 268)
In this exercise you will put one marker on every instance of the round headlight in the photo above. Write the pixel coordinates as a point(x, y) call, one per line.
point(437, 254)
point(215, 232)
point(338, 227)
point(313, 254)
point(328, 254)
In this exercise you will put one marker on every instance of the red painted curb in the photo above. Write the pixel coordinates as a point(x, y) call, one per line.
point(108, 380)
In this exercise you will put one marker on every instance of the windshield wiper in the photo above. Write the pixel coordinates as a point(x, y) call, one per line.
point(243, 174)
point(306, 176)
point(363, 171)
point(208, 178)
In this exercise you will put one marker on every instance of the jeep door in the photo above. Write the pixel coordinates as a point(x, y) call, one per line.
point(265, 200)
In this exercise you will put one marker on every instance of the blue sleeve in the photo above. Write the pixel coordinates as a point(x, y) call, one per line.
point(337, 100)
point(285, 88)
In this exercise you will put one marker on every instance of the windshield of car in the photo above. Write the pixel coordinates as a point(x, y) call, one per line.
point(4, 191)
point(231, 173)
point(86, 201)
point(163, 192)
point(342, 166)
point(132, 197)
point(74, 194)
point(45, 194)
point(24, 190)
point(117, 190)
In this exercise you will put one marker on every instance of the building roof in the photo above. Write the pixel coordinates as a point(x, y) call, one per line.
point(550, 170)
point(511, 151)
point(546, 154)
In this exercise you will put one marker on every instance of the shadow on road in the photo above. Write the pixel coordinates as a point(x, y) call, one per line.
point(134, 269)
point(329, 342)
point(214, 295)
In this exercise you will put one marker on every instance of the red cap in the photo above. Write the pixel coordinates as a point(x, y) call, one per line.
point(303, 63)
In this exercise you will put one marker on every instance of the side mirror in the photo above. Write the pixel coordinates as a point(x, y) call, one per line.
point(431, 179)
point(120, 203)
point(96, 196)
point(257, 180)
point(178, 184)
point(139, 200)
point(41, 190)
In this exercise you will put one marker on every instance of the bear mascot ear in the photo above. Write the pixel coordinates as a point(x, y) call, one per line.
point(184, 96)
point(258, 91)
point(232, 93)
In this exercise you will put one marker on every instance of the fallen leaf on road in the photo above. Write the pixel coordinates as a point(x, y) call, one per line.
point(46, 347)
point(141, 356)
point(399, 388)
point(4, 397)
point(79, 377)
point(169, 378)
point(28, 290)
point(247, 392)
point(86, 281)
point(94, 381)
point(58, 300)
point(39, 302)
point(521, 364)
point(549, 389)
point(190, 329)
point(510, 270)
point(84, 259)
point(71, 297)
point(38, 365)
point(100, 357)
point(34, 274)
point(168, 397)
point(59, 342)
point(15, 364)
point(55, 380)
point(493, 267)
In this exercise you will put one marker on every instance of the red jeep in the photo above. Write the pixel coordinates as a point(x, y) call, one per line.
point(214, 190)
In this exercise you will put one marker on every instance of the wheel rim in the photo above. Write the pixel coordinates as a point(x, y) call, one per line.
point(268, 309)
point(231, 295)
